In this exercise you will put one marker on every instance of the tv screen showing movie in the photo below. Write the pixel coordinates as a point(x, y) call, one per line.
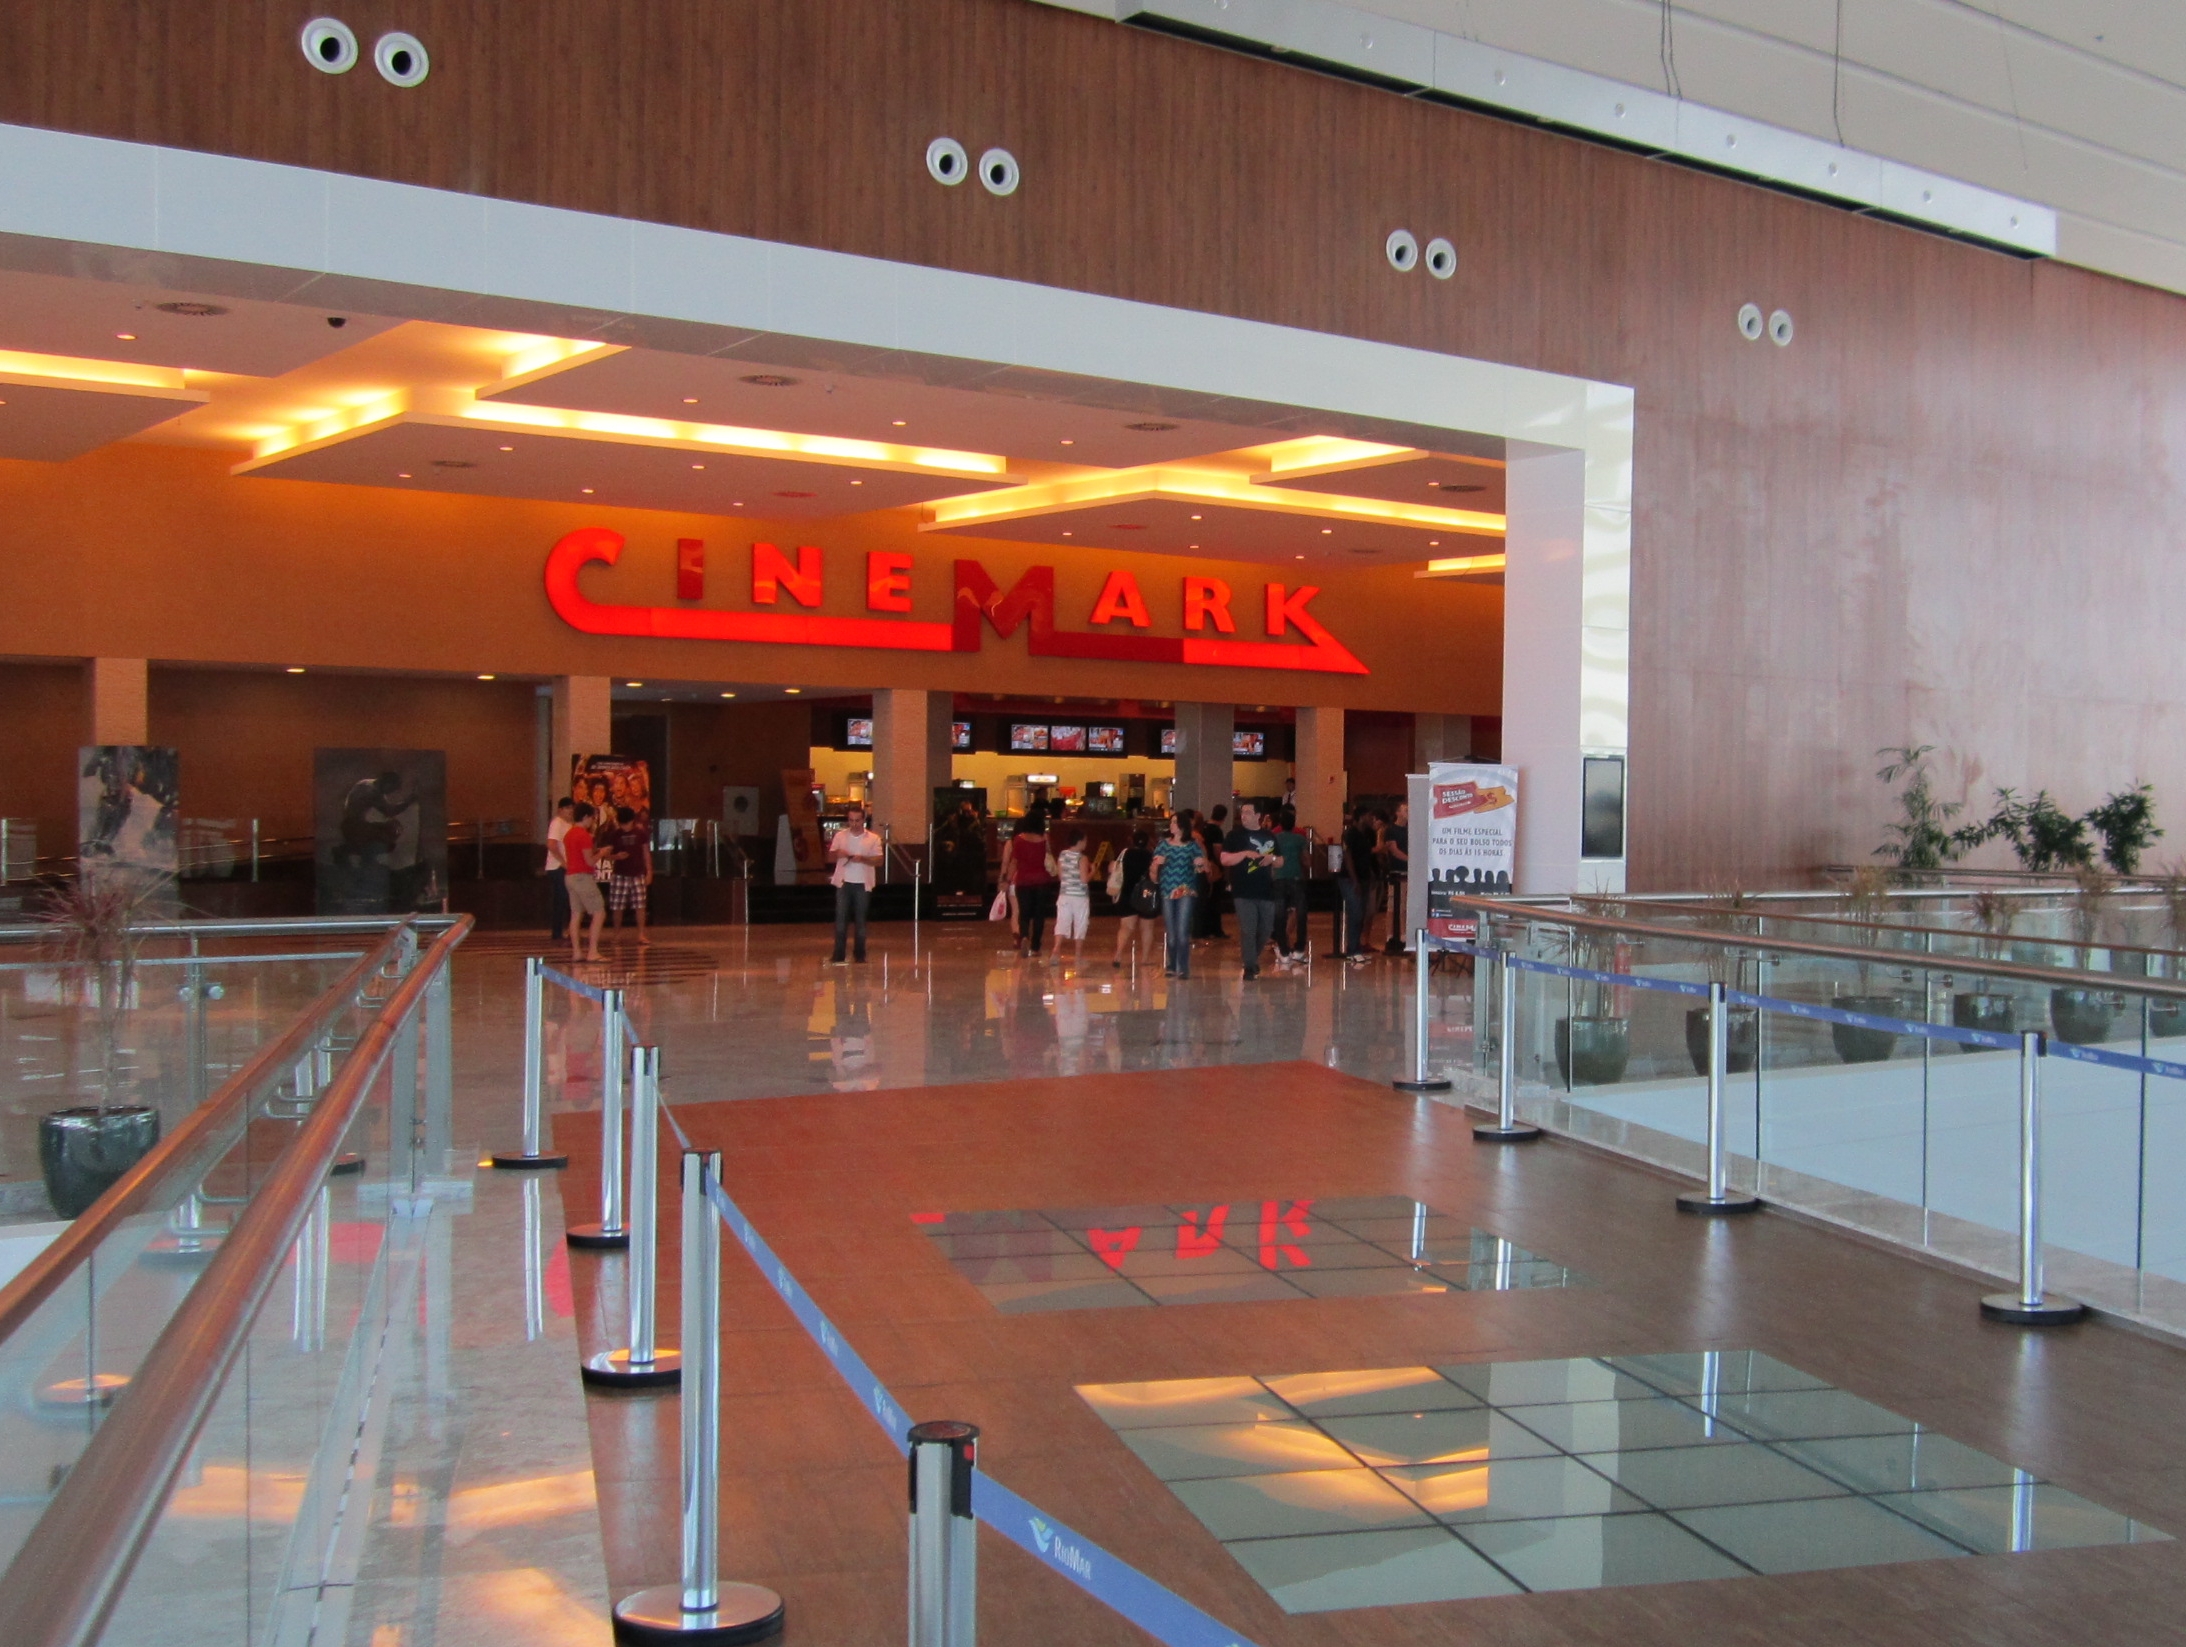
point(1104, 740)
point(858, 732)
point(1068, 740)
point(1024, 735)
point(960, 734)
point(1249, 745)
point(1168, 742)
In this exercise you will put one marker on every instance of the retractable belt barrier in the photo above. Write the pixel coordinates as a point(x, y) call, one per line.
point(1152, 1606)
point(575, 986)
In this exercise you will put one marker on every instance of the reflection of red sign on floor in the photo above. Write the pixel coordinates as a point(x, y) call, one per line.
point(1111, 1246)
point(1201, 1237)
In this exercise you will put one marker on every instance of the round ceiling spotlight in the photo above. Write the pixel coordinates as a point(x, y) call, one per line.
point(999, 172)
point(401, 59)
point(1441, 258)
point(946, 161)
point(1402, 250)
point(1749, 322)
point(1780, 328)
point(194, 311)
point(770, 380)
point(330, 45)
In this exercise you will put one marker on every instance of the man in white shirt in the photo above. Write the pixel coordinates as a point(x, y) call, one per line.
point(565, 812)
point(856, 851)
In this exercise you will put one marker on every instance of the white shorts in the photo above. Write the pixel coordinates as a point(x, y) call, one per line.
point(1071, 916)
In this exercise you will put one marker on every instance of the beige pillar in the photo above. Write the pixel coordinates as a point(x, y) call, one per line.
point(910, 756)
point(1440, 738)
point(1320, 771)
point(118, 698)
point(1205, 755)
point(584, 724)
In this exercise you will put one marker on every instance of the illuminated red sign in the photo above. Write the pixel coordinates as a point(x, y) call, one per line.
point(980, 604)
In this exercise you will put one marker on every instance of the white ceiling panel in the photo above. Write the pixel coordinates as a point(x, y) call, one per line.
point(51, 425)
point(60, 315)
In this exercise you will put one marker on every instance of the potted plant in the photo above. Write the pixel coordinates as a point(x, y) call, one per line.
point(2168, 1017)
point(1594, 1044)
point(96, 923)
point(1918, 839)
point(1864, 902)
point(2080, 1015)
point(1742, 1034)
point(1978, 1008)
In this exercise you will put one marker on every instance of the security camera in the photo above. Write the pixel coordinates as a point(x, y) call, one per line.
point(337, 321)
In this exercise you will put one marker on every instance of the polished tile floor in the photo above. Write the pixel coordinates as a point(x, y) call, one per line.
point(1376, 1487)
point(1231, 1251)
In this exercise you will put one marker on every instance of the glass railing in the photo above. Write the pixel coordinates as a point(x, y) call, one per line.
point(183, 1370)
point(1838, 1102)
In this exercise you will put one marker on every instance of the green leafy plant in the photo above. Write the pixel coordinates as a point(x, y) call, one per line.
point(1595, 950)
point(2042, 834)
point(97, 924)
point(1918, 839)
point(2126, 821)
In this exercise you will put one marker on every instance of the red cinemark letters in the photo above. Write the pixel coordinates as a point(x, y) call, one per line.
point(690, 568)
point(887, 582)
point(772, 573)
point(1120, 598)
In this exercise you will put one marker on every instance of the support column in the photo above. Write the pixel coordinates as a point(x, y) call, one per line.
point(1320, 771)
point(118, 701)
point(906, 760)
point(584, 724)
point(1206, 754)
point(1440, 738)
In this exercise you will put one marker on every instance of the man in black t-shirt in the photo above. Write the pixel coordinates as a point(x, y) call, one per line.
point(1249, 857)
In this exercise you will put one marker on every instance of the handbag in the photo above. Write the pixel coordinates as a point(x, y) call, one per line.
point(1115, 881)
point(999, 910)
point(1145, 902)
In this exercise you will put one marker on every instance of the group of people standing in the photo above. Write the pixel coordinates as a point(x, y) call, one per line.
point(597, 865)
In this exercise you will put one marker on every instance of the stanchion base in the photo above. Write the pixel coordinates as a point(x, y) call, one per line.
point(611, 1369)
point(745, 1612)
point(596, 1237)
point(1708, 1206)
point(2050, 1311)
point(1421, 1086)
point(1518, 1132)
point(526, 1163)
point(344, 1165)
point(184, 1247)
point(99, 1390)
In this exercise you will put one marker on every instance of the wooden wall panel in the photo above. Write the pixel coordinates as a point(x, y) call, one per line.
point(1947, 513)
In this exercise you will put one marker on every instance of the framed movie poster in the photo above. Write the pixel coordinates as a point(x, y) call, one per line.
point(125, 810)
point(381, 842)
point(611, 781)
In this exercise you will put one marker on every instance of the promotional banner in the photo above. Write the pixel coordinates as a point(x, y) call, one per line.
point(1472, 839)
point(612, 781)
point(381, 841)
point(125, 810)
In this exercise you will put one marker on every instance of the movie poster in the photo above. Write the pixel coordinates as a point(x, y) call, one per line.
point(125, 811)
point(1472, 840)
point(381, 843)
point(612, 781)
point(801, 806)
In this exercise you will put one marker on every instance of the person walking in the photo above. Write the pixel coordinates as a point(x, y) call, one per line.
point(1031, 874)
point(1180, 863)
point(1073, 898)
point(1210, 830)
point(856, 851)
point(1396, 842)
point(630, 872)
point(565, 813)
point(1249, 859)
point(1291, 940)
point(581, 875)
point(1140, 905)
point(1355, 886)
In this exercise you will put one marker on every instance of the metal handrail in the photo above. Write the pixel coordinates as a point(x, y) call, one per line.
point(2054, 977)
point(68, 1574)
point(190, 1149)
point(1977, 934)
point(288, 926)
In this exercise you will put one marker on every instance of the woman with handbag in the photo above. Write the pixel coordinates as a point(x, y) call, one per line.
point(1137, 900)
point(1030, 871)
point(1179, 862)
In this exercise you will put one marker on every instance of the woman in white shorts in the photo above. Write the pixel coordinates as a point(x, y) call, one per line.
point(1074, 902)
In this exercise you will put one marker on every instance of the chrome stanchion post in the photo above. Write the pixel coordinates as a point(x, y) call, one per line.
point(1507, 1129)
point(611, 1230)
point(944, 1587)
point(640, 1364)
point(2031, 1305)
point(701, 1609)
point(1421, 1080)
point(1718, 1198)
point(532, 1154)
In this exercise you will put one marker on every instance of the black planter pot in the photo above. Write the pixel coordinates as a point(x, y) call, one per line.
point(1986, 1012)
point(82, 1151)
point(2166, 1018)
point(1741, 1040)
point(1865, 1046)
point(2081, 1016)
point(1593, 1052)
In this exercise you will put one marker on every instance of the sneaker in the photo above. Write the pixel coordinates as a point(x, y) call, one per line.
point(1251, 973)
point(837, 960)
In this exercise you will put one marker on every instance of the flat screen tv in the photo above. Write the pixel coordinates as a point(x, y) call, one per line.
point(1104, 740)
point(858, 732)
point(1025, 735)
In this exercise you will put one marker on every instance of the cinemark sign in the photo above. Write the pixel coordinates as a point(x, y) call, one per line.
point(1029, 604)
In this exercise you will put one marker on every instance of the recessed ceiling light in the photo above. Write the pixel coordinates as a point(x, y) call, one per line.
point(1066, 534)
point(1297, 557)
point(126, 337)
point(728, 694)
point(633, 683)
point(698, 466)
point(1434, 543)
point(1191, 546)
point(899, 423)
point(485, 677)
point(587, 490)
point(771, 380)
point(508, 448)
point(857, 483)
point(1070, 443)
point(1328, 531)
point(690, 400)
point(295, 670)
point(738, 504)
point(793, 690)
point(1195, 517)
point(402, 475)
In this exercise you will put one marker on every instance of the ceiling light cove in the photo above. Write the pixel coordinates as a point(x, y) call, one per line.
point(532, 358)
point(1461, 566)
point(116, 376)
point(1170, 484)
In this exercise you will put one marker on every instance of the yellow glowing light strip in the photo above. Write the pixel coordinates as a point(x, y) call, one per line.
point(1462, 565)
point(67, 371)
point(544, 356)
point(1318, 454)
point(313, 430)
point(716, 437)
point(1195, 486)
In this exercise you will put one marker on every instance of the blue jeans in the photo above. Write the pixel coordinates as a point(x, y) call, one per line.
point(1351, 930)
point(850, 906)
point(1176, 926)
